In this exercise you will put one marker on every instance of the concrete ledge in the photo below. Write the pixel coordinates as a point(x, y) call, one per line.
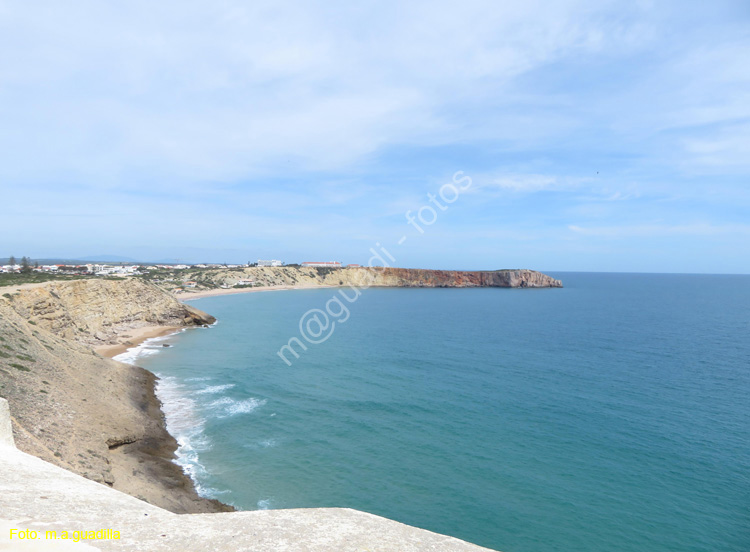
point(6, 429)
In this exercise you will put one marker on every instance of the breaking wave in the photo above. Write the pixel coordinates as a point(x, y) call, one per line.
point(225, 406)
point(212, 389)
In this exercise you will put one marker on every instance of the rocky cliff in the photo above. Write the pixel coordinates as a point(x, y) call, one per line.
point(95, 311)
point(93, 416)
point(412, 277)
point(383, 277)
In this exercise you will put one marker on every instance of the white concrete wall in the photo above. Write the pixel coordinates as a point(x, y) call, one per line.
point(6, 430)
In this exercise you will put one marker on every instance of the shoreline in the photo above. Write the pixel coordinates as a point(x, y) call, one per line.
point(156, 455)
point(130, 339)
point(161, 452)
point(189, 296)
point(87, 413)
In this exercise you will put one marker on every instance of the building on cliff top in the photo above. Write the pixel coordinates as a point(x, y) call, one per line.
point(328, 264)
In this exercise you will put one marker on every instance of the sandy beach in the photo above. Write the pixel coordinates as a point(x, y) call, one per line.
point(190, 295)
point(132, 338)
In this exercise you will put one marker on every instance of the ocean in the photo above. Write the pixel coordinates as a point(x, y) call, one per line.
point(612, 414)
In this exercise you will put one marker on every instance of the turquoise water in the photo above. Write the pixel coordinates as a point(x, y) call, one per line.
point(610, 415)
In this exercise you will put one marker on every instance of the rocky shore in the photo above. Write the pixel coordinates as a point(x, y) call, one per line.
point(88, 414)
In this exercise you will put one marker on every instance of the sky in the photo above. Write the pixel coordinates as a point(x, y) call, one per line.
point(563, 135)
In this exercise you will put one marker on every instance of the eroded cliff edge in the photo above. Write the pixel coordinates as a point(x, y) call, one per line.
point(94, 311)
point(364, 276)
point(414, 277)
point(88, 414)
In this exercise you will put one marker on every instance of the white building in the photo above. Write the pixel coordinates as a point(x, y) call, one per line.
point(328, 264)
point(270, 263)
point(107, 270)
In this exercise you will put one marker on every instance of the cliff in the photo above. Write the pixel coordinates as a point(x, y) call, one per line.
point(375, 277)
point(412, 277)
point(90, 415)
point(95, 311)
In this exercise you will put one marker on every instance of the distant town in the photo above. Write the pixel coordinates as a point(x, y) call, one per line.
point(173, 277)
point(26, 265)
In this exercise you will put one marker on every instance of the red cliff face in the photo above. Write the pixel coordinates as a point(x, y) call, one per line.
point(414, 277)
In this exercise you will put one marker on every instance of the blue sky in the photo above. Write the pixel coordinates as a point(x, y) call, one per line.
point(601, 136)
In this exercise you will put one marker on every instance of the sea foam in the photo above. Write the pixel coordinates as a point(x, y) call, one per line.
point(182, 414)
point(213, 389)
point(186, 425)
point(227, 406)
point(150, 346)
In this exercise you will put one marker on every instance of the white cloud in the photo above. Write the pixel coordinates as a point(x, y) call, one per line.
point(661, 230)
point(722, 149)
point(175, 91)
point(584, 189)
point(520, 183)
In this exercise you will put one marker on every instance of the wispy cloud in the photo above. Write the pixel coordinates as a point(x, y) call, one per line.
point(721, 149)
point(518, 183)
point(659, 230)
point(233, 90)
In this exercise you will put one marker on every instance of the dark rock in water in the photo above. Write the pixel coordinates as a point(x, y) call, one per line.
point(166, 345)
